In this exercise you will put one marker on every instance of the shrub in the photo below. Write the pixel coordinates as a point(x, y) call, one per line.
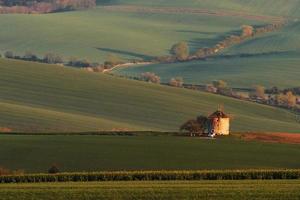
point(165, 59)
point(180, 51)
point(247, 31)
point(79, 63)
point(53, 169)
point(176, 82)
point(9, 54)
point(52, 58)
point(150, 77)
point(112, 60)
point(30, 56)
point(219, 84)
point(211, 88)
point(259, 92)
point(287, 100)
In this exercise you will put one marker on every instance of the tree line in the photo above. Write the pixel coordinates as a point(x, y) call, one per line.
point(285, 98)
point(54, 58)
point(180, 52)
point(43, 6)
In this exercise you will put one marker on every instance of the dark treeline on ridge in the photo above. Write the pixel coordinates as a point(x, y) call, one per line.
point(43, 6)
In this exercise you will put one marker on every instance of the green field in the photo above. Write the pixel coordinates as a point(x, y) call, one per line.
point(269, 7)
point(97, 153)
point(267, 70)
point(93, 34)
point(283, 189)
point(47, 98)
point(269, 60)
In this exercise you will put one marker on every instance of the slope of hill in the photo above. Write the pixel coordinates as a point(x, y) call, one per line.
point(273, 69)
point(270, 7)
point(37, 97)
point(270, 60)
point(93, 34)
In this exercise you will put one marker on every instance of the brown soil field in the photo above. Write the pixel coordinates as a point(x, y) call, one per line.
point(176, 10)
point(286, 138)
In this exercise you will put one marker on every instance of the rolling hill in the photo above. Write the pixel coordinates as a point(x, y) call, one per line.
point(50, 98)
point(94, 34)
point(270, 7)
point(115, 28)
point(276, 69)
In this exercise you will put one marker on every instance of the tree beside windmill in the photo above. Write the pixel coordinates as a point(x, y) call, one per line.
point(218, 123)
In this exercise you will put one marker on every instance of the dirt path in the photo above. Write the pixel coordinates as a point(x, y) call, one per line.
point(177, 10)
point(286, 138)
point(130, 64)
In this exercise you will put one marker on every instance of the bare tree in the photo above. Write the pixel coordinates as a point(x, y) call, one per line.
point(180, 51)
point(176, 82)
point(259, 92)
point(219, 84)
point(247, 31)
point(150, 77)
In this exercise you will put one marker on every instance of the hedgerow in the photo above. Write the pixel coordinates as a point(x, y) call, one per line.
point(153, 176)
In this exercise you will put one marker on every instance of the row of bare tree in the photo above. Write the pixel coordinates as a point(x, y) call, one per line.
point(284, 98)
point(181, 51)
point(43, 6)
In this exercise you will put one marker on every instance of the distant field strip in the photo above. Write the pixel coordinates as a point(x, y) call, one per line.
point(35, 154)
point(177, 10)
point(177, 190)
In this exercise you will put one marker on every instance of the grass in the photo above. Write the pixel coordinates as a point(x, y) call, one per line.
point(96, 153)
point(269, 60)
point(48, 98)
point(274, 189)
point(93, 34)
point(267, 70)
point(269, 7)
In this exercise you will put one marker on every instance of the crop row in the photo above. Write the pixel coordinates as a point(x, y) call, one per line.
point(153, 175)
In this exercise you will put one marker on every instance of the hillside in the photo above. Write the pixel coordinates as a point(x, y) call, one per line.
point(276, 69)
point(38, 97)
point(270, 7)
point(94, 34)
point(270, 60)
point(148, 29)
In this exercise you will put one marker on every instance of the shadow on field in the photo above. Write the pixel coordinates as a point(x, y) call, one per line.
point(198, 32)
point(204, 42)
point(250, 55)
point(125, 53)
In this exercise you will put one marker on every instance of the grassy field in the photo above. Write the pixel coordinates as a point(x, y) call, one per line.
point(283, 189)
point(268, 70)
point(270, 60)
point(93, 34)
point(36, 97)
point(96, 153)
point(270, 7)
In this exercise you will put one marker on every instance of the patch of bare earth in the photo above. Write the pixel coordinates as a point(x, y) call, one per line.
point(286, 138)
point(176, 10)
